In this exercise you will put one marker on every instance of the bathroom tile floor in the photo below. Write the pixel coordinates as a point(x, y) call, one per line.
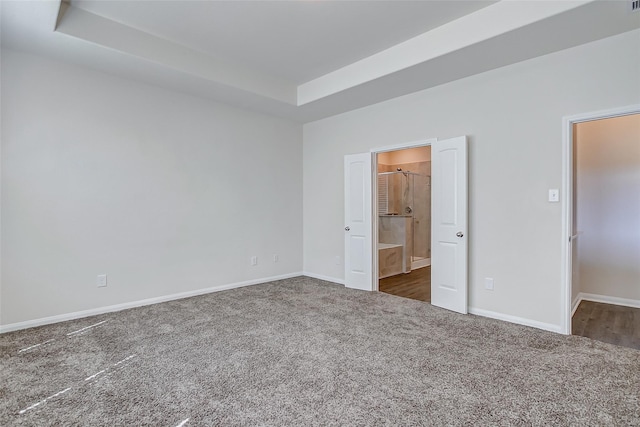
point(414, 285)
point(613, 324)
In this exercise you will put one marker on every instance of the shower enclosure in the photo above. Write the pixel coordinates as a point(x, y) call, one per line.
point(408, 194)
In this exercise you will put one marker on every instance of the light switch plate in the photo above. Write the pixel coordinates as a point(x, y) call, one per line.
point(554, 195)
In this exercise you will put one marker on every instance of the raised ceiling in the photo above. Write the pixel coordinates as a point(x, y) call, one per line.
point(297, 41)
point(304, 60)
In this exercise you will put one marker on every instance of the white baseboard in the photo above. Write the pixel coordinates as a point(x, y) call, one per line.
point(118, 307)
point(515, 319)
point(626, 302)
point(421, 263)
point(325, 278)
point(576, 302)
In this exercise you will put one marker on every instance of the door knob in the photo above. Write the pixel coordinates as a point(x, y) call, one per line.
point(459, 234)
point(347, 228)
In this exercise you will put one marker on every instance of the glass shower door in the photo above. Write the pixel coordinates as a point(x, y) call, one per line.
point(421, 210)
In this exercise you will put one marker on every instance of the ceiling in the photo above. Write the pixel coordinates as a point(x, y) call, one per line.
point(304, 60)
point(298, 41)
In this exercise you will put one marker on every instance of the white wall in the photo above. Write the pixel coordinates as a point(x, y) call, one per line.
point(164, 192)
point(513, 117)
point(607, 159)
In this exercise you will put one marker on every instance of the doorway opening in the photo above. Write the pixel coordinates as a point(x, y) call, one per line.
point(605, 235)
point(403, 222)
point(449, 227)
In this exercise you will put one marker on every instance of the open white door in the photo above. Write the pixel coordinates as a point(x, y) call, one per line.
point(357, 220)
point(449, 224)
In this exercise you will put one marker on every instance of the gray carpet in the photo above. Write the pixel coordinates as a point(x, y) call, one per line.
point(306, 352)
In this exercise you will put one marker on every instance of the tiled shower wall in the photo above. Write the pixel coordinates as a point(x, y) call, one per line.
point(421, 205)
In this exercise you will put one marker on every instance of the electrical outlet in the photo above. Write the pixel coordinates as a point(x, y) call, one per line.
point(338, 260)
point(101, 280)
point(276, 258)
point(254, 260)
point(488, 283)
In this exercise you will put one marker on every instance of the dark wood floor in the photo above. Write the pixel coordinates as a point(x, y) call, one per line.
point(414, 285)
point(613, 324)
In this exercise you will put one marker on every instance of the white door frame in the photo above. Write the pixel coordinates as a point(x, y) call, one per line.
point(374, 198)
point(567, 200)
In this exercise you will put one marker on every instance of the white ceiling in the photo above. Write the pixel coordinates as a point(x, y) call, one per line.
point(304, 60)
point(294, 40)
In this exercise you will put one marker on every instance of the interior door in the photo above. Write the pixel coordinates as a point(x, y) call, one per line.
point(358, 251)
point(449, 224)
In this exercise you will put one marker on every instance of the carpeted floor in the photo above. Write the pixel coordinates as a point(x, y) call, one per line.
point(306, 352)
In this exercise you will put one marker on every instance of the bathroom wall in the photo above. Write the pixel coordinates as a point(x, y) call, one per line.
point(407, 155)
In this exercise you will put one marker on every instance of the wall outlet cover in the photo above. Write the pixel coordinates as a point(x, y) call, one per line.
point(488, 283)
point(101, 280)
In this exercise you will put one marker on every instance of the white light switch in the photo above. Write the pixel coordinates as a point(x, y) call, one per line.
point(554, 195)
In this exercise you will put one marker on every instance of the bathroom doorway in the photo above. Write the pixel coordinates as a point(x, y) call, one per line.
point(403, 200)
